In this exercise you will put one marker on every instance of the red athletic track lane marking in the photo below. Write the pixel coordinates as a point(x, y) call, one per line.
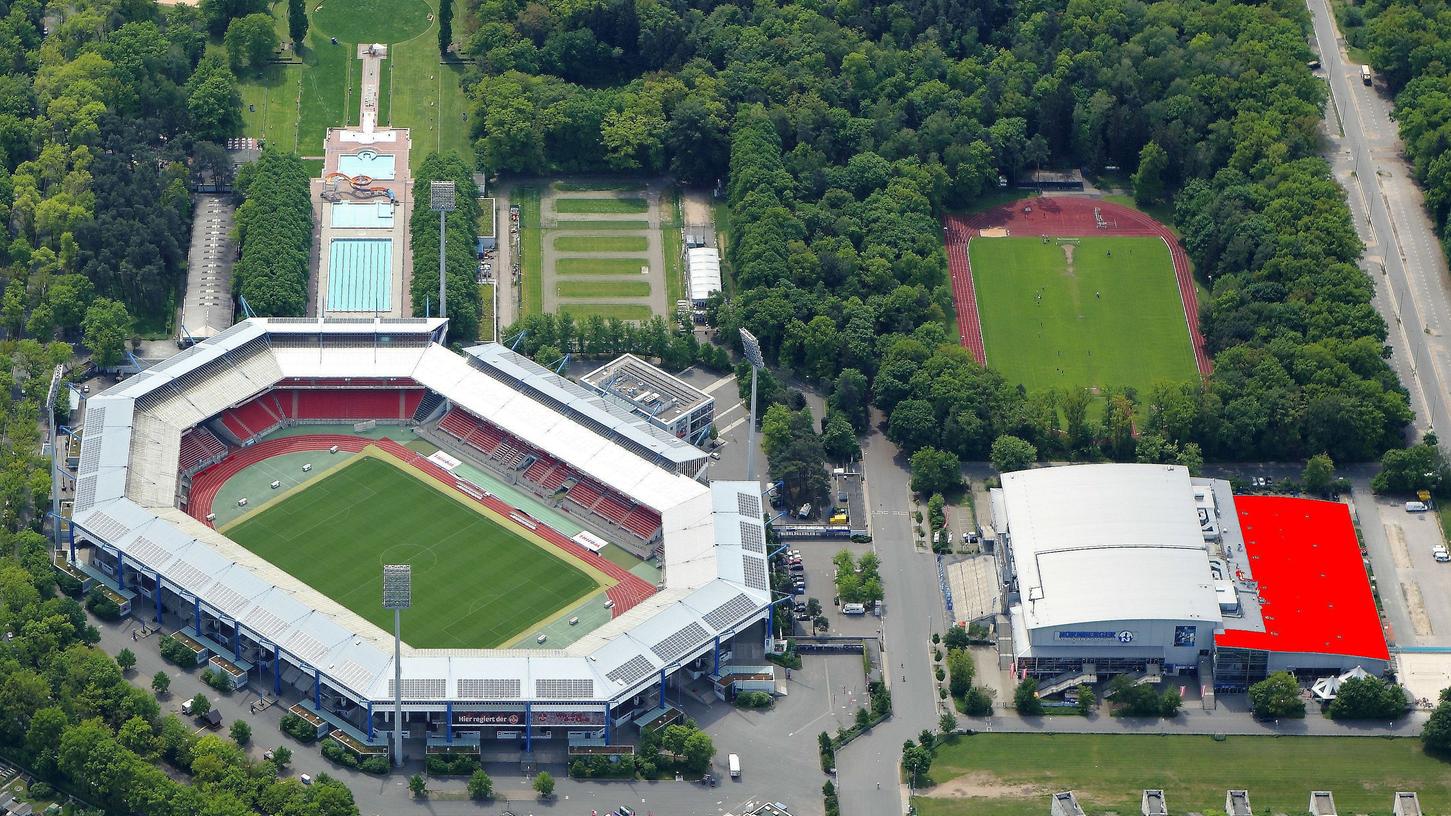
point(628, 591)
point(1060, 217)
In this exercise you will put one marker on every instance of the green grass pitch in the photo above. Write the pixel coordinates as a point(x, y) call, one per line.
point(475, 583)
point(1111, 319)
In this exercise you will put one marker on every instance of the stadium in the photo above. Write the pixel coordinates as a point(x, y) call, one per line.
point(1140, 569)
point(217, 498)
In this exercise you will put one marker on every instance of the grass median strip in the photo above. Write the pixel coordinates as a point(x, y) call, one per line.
point(623, 311)
point(564, 224)
point(598, 266)
point(601, 243)
point(602, 288)
point(600, 205)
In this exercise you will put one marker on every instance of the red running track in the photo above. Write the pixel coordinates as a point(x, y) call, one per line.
point(628, 591)
point(1060, 217)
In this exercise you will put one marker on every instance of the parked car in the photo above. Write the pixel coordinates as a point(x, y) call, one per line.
point(1440, 554)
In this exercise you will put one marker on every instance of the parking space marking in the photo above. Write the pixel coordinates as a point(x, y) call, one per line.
point(727, 429)
point(718, 384)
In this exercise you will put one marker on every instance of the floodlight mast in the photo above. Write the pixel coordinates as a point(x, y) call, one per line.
point(442, 199)
point(397, 596)
point(752, 348)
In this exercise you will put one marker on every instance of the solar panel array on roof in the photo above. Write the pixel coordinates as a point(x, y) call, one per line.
point(729, 612)
point(631, 670)
point(421, 688)
point(755, 571)
point(749, 505)
point(563, 689)
point(107, 527)
point(679, 643)
point(485, 688)
point(751, 538)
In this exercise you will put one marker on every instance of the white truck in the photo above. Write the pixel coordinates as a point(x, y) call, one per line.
point(735, 765)
point(853, 609)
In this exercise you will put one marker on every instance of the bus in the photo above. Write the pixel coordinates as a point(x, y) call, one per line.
point(1365, 74)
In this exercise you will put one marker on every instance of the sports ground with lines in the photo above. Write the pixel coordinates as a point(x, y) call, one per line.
point(477, 584)
point(1074, 291)
point(1098, 312)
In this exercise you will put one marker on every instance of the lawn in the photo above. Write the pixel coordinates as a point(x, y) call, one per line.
point(1014, 774)
point(583, 224)
point(477, 584)
point(601, 243)
point(329, 78)
point(485, 224)
point(602, 288)
point(599, 266)
point(486, 320)
point(589, 187)
point(269, 106)
point(623, 311)
point(531, 248)
point(361, 21)
point(600, 205)
point(672, 246)
point(1111, 318)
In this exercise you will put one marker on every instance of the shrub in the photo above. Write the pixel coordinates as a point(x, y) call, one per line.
point(1025, 698)
point(753, 699)
point(333, 751)
point(173, 651)
point(217, 680)
point(977, 702)
point(376, 764)
point(481, 786)
point(298, 728)
point(452, 764)
point(956, 638)
point(41, 790)
point(102, 606)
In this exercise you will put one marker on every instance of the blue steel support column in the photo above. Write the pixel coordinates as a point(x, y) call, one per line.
point(197, 611)
point(370, 721)
point(528, 728)
point(236, 639)
point(158, 597)
point(607, 723)
point(120, 569)
point(448, 727)
point(662, 688)
point(715, 657)
point(770, 625)
point(317, 690)
point(276, 669)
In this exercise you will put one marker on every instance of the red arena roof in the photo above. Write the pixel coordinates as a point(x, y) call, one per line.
point(1314, 590)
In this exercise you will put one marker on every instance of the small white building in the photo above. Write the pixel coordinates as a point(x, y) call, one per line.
point(702, 272)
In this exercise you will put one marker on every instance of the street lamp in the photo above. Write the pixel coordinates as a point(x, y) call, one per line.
point(752, 348)
point(397, 596)
point(442, 199)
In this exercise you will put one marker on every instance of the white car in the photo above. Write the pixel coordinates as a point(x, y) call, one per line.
point(306, 779)
point(1440, 554)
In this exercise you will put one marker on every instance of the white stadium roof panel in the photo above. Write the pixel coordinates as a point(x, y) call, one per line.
point(128, 476)
point(1107, 542)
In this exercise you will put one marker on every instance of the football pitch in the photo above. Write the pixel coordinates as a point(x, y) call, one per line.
point(1089, 312)
point(475, 584)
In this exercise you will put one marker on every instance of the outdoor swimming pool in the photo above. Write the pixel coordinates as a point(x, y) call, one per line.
point(367, 162)
point(362, 216)
point(360, 275)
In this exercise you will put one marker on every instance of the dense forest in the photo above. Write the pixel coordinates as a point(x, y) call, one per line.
point(841, 132)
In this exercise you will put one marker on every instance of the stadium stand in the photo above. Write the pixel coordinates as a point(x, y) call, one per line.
point(199, 446)
point(427, 405)
point(250, 419)
point(585, 493)
point(354, 403)
point(642, 521)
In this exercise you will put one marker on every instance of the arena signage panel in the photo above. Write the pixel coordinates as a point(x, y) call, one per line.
point(516, 718)
point(1125, 636)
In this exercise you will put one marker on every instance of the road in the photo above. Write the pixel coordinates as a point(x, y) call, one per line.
point(1402, 254)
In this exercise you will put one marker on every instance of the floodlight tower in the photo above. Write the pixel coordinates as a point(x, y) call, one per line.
point(752, 348)
point(442, 199)
point(397, 596)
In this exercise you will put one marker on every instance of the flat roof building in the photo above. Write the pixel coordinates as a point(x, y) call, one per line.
point(663, 400)
point(702, 272)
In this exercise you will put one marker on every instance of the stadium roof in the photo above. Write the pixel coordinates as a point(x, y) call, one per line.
point(714, 553)
point(1306, 564)
point(1107, 542)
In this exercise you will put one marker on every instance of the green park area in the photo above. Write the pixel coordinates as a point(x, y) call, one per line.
point(487, 584)
point(601, 206)
point(599, 266)
point(603, 288)
point(291, 105)
point(592, 225)
point(600, 243)
point(1014, 774)
point(1091, 312)
point(623, 311)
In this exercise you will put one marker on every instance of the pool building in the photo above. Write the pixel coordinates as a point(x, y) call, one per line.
point(362, 202)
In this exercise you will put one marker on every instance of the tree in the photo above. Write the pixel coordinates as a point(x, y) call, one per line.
point(1319, 474)
point(544, 784)
point(297, 22)
point(917, 762)
point(160, 682)
point(480, 785)
point(1025, 698)
point(214, 105)
point(977, 702)
point(913, 425)
point(850, 396)
point(947, 723)
point(1010, 453)
point(1419, 467)
point(1086, 699)
point(126, 659)
point(935, 471)
point(956, 638)
point(281, 756)
point(241, 732)
point(200, 705)
point(1436, 734)
point(445, 27)
point(250, 41)
point(107, 325)
point(960, 670)
point(1149, 180)
point(418, 786)
point(838, 438)
point(1277, 696)
point(1368, 698)
point(698, 751)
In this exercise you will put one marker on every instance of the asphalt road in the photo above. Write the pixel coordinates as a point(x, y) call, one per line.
point(1402, 254)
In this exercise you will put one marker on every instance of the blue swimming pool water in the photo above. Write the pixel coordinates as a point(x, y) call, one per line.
point(367, 163)
point(362, 216)
point(360, 275)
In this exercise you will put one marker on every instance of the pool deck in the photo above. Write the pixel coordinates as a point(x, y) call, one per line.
point(385, 140)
